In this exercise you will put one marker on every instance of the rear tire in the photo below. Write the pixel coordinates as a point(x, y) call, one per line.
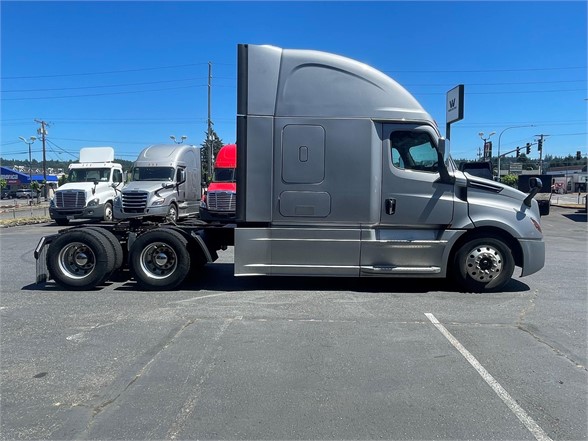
point(115, 244)
point(483, 264)
point(80, 259)
point(159, 259)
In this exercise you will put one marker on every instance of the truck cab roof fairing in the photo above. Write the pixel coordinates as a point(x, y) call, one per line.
point(319, 84)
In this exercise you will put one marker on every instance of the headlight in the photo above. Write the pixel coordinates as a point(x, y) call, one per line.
point(157, 202)
point(52, 202)
point(118, 201)
point(93, 202)
point(202, 203)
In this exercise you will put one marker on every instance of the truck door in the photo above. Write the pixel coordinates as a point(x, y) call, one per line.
point(412, 192)
point(416, 207)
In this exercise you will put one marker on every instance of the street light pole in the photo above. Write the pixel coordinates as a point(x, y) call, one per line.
point(173, 138)
point(30, 142)
point(500, 136)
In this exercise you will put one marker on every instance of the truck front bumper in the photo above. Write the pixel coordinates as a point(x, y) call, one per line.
point(533, 256)
point(159, 211)
point(96, 212)
point(220, 216)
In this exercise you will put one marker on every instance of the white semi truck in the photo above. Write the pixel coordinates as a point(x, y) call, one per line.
point(90, 189)
point(341, 172)
point(165, 183)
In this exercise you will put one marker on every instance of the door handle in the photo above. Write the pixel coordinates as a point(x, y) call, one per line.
point(390, 206)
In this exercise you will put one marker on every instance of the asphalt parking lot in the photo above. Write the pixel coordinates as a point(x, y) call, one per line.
point(297, 358)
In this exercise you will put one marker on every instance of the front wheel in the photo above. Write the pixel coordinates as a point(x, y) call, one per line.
point(108, 213)
point(172, 213)
point(159, 259)
point(483, 264)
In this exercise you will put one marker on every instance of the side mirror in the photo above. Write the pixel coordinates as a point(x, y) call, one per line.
point(535, 185)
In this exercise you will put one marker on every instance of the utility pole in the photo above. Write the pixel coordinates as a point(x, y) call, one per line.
point(43, 132)
point(209, 132)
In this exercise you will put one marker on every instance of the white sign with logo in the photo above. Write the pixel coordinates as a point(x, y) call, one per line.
point(455, 98)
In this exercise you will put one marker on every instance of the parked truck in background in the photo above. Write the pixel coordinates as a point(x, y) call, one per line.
point(165, 182)
point(90, 188)
point(220, 200)
point(341, 172)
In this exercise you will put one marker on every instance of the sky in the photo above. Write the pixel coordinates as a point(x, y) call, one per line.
point(130, 74)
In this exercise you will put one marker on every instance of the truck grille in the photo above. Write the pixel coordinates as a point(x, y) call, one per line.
point(221, 201)
point(70, 199)
point(134, 202)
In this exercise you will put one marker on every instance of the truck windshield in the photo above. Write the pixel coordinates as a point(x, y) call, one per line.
point(224, 175)
point(153, 174)
point(88, 175)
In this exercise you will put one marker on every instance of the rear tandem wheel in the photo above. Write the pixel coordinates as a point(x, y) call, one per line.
point(80, 259)
point(159, 259)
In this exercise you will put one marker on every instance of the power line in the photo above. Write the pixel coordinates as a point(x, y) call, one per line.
point(102, 72)
point(62, 149)
point(100, 94)
point(505, 92)
point(109, 141)
point(486, 70)
point(504, 83)
point(100, 86)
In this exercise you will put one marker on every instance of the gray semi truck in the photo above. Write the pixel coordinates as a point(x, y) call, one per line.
point(341, 172)
point(164, 183)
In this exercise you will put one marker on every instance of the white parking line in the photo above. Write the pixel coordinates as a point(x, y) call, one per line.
point(520, 413)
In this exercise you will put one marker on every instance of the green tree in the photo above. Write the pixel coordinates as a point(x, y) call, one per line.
point(511, 180)
point(3, 183)
point(214, 143)
point(36, 187)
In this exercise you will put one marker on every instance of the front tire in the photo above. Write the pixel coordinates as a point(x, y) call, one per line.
point(172, 213)
point(159, 259)
point(108, 213)
point(483, 264)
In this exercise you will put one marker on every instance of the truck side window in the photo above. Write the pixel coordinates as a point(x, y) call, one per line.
point(116, 176)
point(413, 151)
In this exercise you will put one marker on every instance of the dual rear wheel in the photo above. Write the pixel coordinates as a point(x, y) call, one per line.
point(84, 258)
point(87, 257)
point(159, 259)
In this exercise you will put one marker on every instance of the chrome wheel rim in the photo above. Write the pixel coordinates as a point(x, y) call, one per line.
point(108, 214)
point(77, 260)
point(484, 263)
point(158, 260)
point(173, 214)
